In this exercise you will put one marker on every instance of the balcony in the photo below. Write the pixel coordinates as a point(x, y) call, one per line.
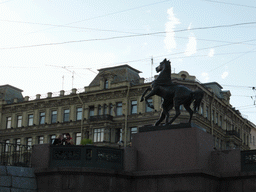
point(101, 118)
point(233, 132)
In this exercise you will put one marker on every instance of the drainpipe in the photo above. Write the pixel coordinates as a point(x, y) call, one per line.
point(82, 119)
point(212, 120)
point(126, 114)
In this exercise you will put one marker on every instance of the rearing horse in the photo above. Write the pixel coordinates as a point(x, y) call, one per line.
point(173, 95)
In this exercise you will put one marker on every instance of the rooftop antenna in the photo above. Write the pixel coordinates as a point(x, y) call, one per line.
point(65, 67)
point(152, 62)
point(63, 82)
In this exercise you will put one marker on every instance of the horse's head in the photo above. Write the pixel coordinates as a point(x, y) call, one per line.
point(162, 65)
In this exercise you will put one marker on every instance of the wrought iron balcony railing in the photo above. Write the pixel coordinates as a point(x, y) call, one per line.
point(233, 132)
point(101, 118)
point(15, 154)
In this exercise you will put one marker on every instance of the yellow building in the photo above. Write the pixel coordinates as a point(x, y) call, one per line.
point(109, 110)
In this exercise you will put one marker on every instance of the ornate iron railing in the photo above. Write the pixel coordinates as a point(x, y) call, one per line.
point(15, 154)
point(101, 118)
point(248, 160)
point(86, 156)
point(233, 132)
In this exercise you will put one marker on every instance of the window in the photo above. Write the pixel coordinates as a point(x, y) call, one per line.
point(119, 109)
point(8, 122)
point(78, 138)
point(99, 110)
point(19, 121)
point(29, 142)
point(17, 143)
point(42, 118)
point(30, 120)
point(207, 112)
point(105, 109)
point(202, 109)
point(40, 139)
point(99, 135)
point(148, 109)
point(91, 111)
point(134, 107)
point(54, 117)
point(119, 135)
point(7, 145)
point(213, 115)
point(253, 140)
point(66, 115)
point(106, 84)
point(133, 131)
point(79, 112)
point(110, 109)
point(217, 118)
point(52, 138)
point(220, 121)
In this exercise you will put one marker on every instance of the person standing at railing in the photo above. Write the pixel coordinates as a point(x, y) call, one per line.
point(59, 140)
point(68, 140)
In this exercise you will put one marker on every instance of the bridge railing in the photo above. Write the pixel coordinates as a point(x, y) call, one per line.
point(15, 154)
point(86, 156)
point(248, 160)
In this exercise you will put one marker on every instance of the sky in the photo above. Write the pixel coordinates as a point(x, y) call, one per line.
point(52, 45)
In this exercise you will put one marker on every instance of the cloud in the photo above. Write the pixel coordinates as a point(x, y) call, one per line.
point(205, 76)
point(211, 53)
point(169, 40)
point(191, 46)
point(224, 75)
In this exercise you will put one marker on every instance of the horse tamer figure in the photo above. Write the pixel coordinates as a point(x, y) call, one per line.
point(173, 95)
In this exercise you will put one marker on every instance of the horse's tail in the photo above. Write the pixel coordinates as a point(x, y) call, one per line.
point(198, 96)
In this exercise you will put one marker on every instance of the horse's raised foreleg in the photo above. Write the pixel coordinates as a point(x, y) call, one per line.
point(153, 92)
point(144, 93)
point(187, 107)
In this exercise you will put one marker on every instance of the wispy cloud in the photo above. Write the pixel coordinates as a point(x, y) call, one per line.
point(211, 53)
point(205, 76)
point(169, 40)
point(224, 75)
point(191, 46)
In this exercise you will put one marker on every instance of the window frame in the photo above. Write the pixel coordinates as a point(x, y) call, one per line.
point(42, 118)
point(54, 116)
point(119, 109)
point(147, 108)
point(8, 122)
point(134, 107)
point(30, 119)
point(98, 135)
point(19, 120)
point(79, 113)
point(66, 116)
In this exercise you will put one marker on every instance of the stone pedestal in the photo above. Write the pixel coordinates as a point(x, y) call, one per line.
point(173, 148)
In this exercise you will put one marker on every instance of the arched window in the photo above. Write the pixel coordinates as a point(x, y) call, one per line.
point(106, 84)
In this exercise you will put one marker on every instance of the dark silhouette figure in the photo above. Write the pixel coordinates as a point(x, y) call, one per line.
point(173, 95)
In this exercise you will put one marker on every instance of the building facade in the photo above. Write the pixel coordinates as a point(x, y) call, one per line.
point(109, 112)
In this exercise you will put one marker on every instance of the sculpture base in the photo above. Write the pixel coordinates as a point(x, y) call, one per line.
point(173, 147)
point(168, 127)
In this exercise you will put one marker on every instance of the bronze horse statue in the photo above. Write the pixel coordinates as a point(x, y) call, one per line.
point(173, 95)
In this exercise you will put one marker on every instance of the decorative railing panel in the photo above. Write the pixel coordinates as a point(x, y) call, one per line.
point(101, 118)
point(233, 132)
point(86, 156)
point(15, 154)
point(248, 160)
